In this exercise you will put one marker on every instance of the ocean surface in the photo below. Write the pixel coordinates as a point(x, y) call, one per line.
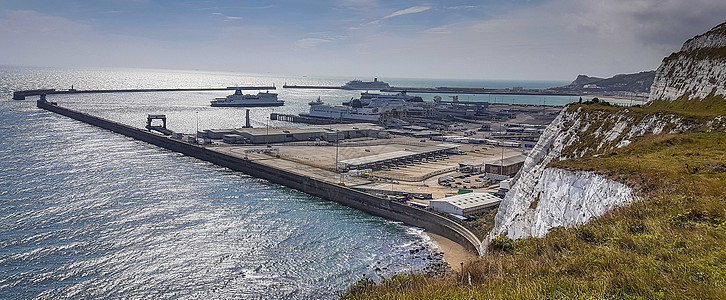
point(87, 213)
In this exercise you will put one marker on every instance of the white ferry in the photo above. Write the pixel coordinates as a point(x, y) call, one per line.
point(368, 108)
point(367, 99)
point(247, 100)
point(366, 85)
point(318, 109)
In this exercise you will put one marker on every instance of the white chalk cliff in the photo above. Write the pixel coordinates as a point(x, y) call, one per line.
point(543, 198)
point(698, 69)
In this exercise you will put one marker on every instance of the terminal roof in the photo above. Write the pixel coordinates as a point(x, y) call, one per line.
point(403, 154)
point(471, 200)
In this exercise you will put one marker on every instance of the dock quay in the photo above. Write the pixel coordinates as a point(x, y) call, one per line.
point(318, 87)
point(462, 90)
point(306, 120)
point(309, 179)
point(20, 95)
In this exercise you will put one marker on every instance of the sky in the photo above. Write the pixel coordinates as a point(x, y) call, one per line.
point(458, 39)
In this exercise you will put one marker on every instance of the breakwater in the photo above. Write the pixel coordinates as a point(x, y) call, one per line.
point(330, 191)
point(474, 91)
point(314, 87)
point(20, 95)
point(446, 90)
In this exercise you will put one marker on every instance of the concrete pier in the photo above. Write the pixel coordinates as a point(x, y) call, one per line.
point(463, 90)
point(20, 95)
point(308, 120)
point(316, 87)
point(369, 203)
point(445, 90)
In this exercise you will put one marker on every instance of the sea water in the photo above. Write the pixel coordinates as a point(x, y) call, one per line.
point(85, 212)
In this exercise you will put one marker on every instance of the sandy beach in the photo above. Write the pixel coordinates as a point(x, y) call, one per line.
point(454, 254)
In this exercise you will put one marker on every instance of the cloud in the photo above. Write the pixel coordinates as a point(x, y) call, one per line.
point(410, 10)
point(650, 22)
point(461, 7)
point(43, 40)
point(553, 39)
point(311, 42)
point(557, 39)
point(233, 18)
point(357, 4)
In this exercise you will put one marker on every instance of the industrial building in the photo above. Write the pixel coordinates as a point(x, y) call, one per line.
point(399, 158)
point(265, 135)
point(508, 166)
point(465, 204)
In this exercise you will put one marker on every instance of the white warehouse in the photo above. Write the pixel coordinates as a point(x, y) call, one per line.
point(465, 204)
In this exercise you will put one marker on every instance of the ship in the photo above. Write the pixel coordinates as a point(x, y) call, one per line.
point(367, 98)
point(238, 99)
point(367, 109)
point(342, 112)
point(366, 85)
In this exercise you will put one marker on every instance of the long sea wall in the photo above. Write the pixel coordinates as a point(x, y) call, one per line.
point(349, 197)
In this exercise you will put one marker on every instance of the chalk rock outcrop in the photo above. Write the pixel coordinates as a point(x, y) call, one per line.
point(698, 69)
point(543, 198)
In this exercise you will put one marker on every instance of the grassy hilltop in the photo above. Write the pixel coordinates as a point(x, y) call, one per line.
point(671, 243)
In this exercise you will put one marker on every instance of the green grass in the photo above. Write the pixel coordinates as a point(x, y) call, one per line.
point(692, 112)
point(670, 244)
point(482, 223)
point(711, 105)
point(714, 53)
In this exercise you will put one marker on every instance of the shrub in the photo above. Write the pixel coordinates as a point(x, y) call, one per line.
point(502, 243)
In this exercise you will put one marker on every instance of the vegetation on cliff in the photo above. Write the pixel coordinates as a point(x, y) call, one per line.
point(715, 53)
point(669, 244)
point(711, 105)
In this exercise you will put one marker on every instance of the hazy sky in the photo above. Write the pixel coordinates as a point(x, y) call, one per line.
point(488, 39)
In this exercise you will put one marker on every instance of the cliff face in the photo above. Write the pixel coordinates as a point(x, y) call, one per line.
point(698, 69)
point(569, 198)
point(543, 198)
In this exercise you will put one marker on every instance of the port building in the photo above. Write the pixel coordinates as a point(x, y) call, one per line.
point(265, 135)
point(399, 158)
point(508, 166)
point(465, 204)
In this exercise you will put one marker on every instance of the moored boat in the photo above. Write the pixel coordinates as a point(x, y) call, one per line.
point(238, 99)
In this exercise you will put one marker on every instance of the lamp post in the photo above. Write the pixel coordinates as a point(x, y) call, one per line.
point(631, 98)
point(267, 135)
point(337, 142)
point(501, 166)
point(196, 134)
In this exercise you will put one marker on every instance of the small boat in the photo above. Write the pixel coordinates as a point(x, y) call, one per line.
point(238, 99)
